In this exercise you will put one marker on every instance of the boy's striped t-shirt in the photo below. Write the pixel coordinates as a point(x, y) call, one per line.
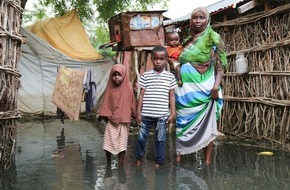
point(156, 97)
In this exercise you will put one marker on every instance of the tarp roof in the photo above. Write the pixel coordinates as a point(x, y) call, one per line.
point(67, 34)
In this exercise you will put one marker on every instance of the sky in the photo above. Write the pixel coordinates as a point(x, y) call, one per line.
point(176, 8)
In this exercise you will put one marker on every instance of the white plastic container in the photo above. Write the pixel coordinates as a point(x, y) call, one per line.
point(241, 63)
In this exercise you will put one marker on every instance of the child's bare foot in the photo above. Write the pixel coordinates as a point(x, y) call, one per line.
point(179, 82)
point(157, 166)
point(121, 158)
point(178, 158)
point(139, 163)
point(108, 173)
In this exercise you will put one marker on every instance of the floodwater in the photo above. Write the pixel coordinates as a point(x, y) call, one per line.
point(55, 156)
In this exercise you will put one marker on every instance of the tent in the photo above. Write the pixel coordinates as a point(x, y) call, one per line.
point(67, 34)
point(38, 67)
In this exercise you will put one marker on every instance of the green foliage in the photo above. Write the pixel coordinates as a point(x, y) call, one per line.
point(84, 7)
point(88, 10)
point(102, 37)
point(109, 8)
point(38, 13)
point(105, 8)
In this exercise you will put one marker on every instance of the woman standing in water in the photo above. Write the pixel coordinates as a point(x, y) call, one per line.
point(199, 100)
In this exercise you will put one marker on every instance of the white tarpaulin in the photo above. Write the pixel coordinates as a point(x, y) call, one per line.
point(38, 67)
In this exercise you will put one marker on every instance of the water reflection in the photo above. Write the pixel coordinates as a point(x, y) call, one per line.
point(165, 177)
point(236, 167)
point(240, 166)
point(60, 140)
point(8, 178)
point(54, 156)
point(115, 181)
point(186, 179)
point(140, 179)
point(90, 169)
point(69, 168)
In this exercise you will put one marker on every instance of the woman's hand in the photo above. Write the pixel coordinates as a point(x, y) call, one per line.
point(214, 93)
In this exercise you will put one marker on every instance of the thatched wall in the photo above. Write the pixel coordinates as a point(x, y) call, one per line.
point(257, 104)
point(10, 42)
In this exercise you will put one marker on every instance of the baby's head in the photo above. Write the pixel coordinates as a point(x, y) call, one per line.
point(172, 39)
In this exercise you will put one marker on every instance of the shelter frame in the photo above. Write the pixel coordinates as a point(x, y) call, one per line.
point(10, 43)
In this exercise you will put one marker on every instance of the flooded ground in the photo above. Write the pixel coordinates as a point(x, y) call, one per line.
point(69, 156)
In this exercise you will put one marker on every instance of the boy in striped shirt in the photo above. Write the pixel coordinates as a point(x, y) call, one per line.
point(156, 105)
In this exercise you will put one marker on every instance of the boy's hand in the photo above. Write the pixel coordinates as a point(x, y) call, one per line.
point(171, 118)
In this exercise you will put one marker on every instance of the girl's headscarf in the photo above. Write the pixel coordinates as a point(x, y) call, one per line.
point(199, 51)
point(119, 102)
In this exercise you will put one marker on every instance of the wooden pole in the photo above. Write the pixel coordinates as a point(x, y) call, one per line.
point(10, 43)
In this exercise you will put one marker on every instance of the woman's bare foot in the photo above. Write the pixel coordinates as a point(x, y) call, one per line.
point(207, 153)
point(207, 162)
point(178, 158)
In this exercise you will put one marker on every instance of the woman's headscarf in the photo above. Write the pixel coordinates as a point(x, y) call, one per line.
point(119, 103)
point(205, 13)
point(199, 51)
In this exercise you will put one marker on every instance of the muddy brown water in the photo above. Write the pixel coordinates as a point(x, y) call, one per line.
point(55, 156)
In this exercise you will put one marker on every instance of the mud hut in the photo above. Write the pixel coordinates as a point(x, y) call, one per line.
point(10, 42)
point(257, 100)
